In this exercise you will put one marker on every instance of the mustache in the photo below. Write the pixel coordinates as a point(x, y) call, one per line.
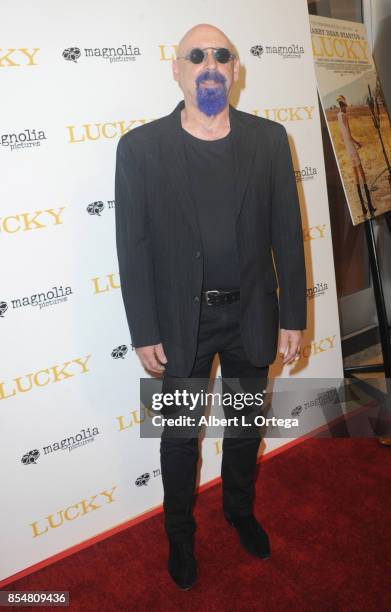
point(210, 75)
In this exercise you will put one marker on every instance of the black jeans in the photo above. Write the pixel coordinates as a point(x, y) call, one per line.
point(219, 332)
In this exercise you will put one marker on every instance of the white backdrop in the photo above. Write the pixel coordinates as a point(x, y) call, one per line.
point(61, 375)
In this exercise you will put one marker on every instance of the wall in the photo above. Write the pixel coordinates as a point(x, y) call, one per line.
point(73, 465)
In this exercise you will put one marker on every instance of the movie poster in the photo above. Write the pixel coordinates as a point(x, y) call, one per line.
point(356, 114)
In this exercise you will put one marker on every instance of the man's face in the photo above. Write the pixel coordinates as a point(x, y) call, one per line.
point(207, 85)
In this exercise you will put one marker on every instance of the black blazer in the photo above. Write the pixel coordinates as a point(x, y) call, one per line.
point(159, 243)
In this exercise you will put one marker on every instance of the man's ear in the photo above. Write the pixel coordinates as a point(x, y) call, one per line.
point(175, 71)
point(236, 69)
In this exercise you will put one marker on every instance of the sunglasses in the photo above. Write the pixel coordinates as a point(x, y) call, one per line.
point(197, 56)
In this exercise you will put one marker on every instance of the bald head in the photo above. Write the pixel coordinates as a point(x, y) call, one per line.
point(208, 81)
point(203, 35)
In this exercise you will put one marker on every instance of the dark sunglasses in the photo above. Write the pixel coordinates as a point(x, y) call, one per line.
point(197, 56)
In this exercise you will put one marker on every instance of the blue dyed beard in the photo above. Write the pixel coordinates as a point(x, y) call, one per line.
point(211, 100)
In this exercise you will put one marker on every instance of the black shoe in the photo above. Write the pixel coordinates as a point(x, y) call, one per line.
point(252, 536)
point(182, 565)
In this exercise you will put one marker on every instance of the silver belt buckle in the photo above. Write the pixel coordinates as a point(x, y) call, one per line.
point(207, 295)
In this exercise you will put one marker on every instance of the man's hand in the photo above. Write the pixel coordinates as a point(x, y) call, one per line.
point(290, 344)
point(152, 357)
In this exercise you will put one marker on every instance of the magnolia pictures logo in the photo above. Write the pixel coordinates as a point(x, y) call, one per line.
point(257, 50)
point(55, 295)
point(317, 290)
point(96, 208)
point(143, 479)
point(72, 54)
point(83, 437)
point(26, 139)
point(123, 53)
point(325, 398)
point(305, 174)
point(119, 352)
point(293, 51)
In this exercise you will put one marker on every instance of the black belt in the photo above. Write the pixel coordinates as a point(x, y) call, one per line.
point(215, 297)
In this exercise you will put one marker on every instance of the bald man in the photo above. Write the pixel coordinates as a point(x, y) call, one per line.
point(205, 198)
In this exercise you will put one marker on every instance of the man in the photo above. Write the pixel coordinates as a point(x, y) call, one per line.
point(205, 197)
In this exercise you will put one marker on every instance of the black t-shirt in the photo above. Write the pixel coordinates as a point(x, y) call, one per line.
point(211, 173)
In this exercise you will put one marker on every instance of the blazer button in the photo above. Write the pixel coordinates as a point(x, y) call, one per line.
point(198, 254)
point(196, 299)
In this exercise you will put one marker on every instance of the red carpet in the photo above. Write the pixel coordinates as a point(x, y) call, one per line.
point(326, 505)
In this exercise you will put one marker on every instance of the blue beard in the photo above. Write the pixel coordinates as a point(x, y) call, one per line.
point(211, 100)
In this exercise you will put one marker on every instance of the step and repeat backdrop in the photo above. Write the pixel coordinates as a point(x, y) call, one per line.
point(75, 76)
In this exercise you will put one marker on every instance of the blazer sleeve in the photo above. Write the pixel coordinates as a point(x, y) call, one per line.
point(134, 252)
point(287, 239)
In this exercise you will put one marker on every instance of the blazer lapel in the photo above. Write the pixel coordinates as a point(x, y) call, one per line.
point(244, 147)
point(174, 161)
point(173, 158)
